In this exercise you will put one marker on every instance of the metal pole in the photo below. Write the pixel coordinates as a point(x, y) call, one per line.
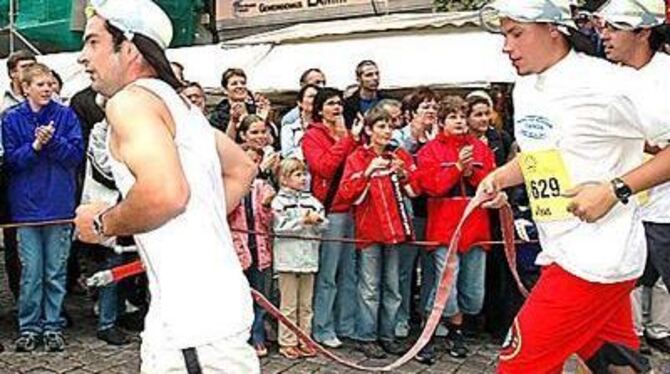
point(11, 29)
point(11, 26)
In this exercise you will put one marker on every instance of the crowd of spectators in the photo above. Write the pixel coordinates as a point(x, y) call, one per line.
point(356, 164)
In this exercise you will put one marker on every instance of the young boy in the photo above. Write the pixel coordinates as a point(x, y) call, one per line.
point(375, 181)
point(452, 165)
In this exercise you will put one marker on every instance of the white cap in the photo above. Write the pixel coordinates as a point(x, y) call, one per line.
point(633, 14)
point(526, 11)
point(480, 94)
point(136, 17)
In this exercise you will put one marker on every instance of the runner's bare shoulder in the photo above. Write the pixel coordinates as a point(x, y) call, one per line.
point(136, 106)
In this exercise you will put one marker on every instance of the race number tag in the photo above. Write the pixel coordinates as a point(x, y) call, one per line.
point(546, 179)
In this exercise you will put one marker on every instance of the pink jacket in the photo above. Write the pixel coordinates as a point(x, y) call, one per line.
point(262, 221)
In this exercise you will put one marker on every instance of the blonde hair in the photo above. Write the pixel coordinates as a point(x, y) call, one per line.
point(33, 71)
point(289, 166)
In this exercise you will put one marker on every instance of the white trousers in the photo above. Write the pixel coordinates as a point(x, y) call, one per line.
point(229, 356)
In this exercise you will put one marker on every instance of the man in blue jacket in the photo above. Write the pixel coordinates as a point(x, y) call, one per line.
point(43, 147)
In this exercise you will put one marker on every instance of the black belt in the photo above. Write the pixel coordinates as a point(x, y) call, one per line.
point(191, 360)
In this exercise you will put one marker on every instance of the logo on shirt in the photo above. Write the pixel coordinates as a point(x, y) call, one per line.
point(535, 127)
point(512, 345)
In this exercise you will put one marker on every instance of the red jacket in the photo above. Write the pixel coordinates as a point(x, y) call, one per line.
point(378, 201)
point(448, 190)
point(324, 156)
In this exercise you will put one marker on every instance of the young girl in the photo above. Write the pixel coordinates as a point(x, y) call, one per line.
point(375, 181)
point(253, 132)
point(296, 261)
point(255, 251)
point(452, 165)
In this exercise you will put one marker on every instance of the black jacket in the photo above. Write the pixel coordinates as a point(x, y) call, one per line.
point(352, 106)
point(221, 114)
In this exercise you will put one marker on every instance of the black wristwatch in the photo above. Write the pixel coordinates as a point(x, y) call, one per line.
point(621, 190)
point(98, 225)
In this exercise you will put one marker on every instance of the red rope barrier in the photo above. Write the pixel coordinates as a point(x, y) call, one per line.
point(444, 287)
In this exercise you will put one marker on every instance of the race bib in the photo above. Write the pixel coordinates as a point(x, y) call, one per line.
point(546, 179)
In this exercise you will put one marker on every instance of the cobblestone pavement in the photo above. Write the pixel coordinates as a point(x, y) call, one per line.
point(85, 354)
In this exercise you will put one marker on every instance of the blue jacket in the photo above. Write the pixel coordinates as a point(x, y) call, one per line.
point(42, 184)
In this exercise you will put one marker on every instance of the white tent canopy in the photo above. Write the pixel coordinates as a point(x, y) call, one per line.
point(439, 49)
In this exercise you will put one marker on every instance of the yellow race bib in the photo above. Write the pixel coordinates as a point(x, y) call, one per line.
point(546, 179)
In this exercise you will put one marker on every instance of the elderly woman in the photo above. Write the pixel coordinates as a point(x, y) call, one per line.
point(43, 147)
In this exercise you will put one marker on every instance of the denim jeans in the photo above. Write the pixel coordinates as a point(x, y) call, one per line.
point(408, 254)
point(378, 292)
point(43, 251)
point(108, 296)
point(258, 280)
point(335, 290)
point(427, 261)
point(467, 293)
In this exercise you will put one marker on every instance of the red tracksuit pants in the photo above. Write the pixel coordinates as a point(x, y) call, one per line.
point(563, 315)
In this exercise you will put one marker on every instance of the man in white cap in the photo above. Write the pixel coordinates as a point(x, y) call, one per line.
point(577, 119)
point(178, 178)
point(632, 35)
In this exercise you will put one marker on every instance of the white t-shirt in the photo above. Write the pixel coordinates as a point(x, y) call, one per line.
point(199, 294)
point(597, 115)
point(658, 208)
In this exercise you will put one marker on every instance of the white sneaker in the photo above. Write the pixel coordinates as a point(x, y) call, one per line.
point(332, 343)
point(441, 330)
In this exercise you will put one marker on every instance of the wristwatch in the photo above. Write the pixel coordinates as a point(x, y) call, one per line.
point(98, 224)
point(621, 190)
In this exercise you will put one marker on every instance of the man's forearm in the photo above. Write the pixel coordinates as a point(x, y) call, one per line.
point(509, 174)
point(238, 185)
point(237, 170)
point(142, 211)
point(651, 173)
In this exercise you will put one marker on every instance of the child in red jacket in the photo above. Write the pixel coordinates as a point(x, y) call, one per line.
point(375, 181)
point(452, 165)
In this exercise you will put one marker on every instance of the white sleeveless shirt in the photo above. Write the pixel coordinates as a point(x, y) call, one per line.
point(198, 291)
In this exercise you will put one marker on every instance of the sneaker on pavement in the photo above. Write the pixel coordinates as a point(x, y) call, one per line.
point(332, 343)
point(456, 344)
point(426, 355)
point(392, 347)
point(371, 350)
point(53, 341)
point(662, 344)
point(27, 342)
point(113, 336)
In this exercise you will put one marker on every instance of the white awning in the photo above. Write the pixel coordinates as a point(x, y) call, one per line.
point(442, 49)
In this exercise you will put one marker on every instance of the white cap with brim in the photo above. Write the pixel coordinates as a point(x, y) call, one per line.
point(480, 94)
point(132, 17)
point(633, 14)
point(526, 11)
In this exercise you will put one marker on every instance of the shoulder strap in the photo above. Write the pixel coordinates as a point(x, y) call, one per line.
point(332, 189)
